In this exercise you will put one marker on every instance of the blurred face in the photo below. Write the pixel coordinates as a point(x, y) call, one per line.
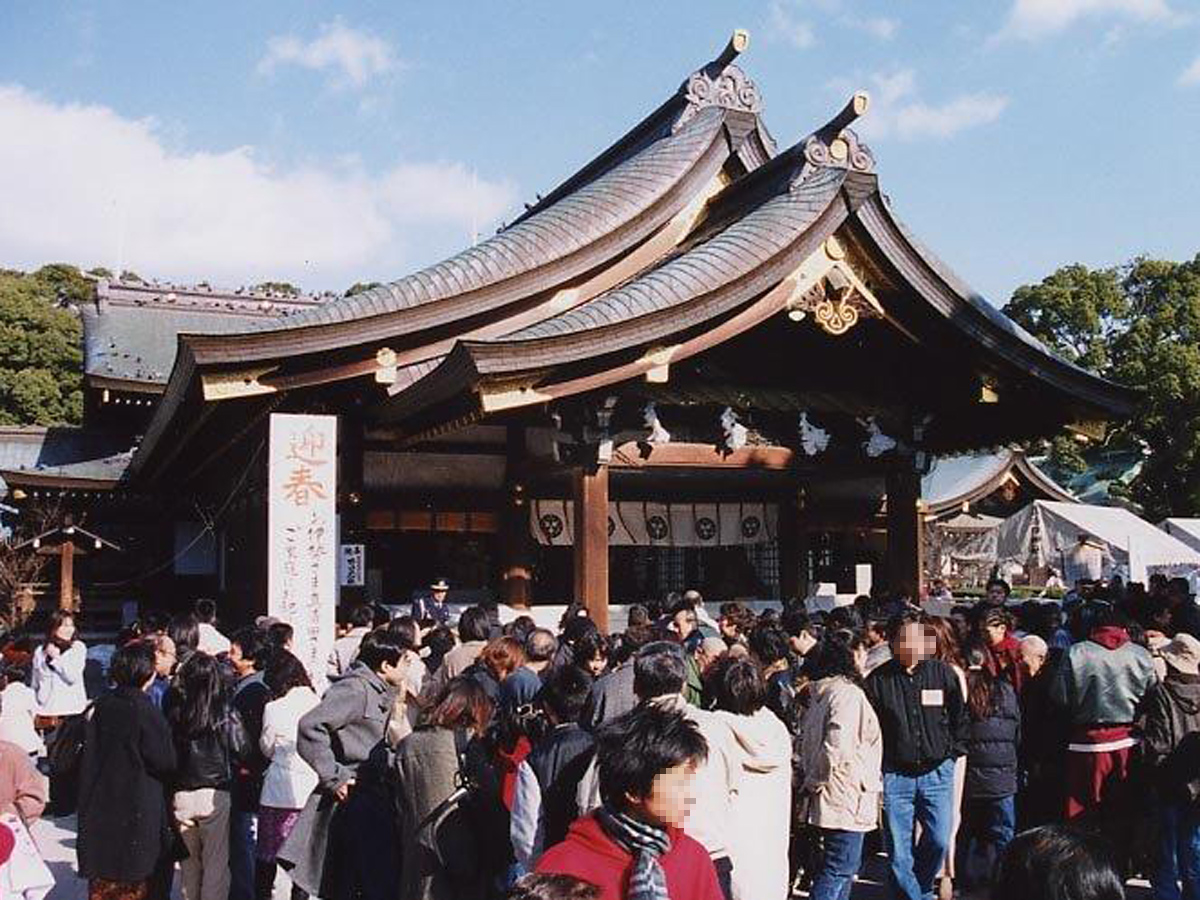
point(729, 630)
point(241, 664)
point(996, 594)
point(164, 657)
point(671, 797)
point(1031, 661)
point(439, 596)
point(911, 644)
point(66, 631)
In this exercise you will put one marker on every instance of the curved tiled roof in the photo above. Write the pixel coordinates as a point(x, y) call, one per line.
point(562, 228)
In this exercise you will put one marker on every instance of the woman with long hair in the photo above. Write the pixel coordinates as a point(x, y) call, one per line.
point(988, 813)
point(947, 648)
point(209, 741)
point(57, 674)
point(841, 756)
point(452, 856)
point(289, 779)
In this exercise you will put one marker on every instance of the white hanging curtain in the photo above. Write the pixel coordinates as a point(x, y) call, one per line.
point(635, 524)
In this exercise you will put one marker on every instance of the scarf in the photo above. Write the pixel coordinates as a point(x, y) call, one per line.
point(646, 843)
point(1110, 637)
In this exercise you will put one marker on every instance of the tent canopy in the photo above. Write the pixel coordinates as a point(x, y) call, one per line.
point(1046, 532)
point(1185, 530)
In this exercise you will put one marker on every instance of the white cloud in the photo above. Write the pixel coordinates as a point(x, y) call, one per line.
point(83, 184)
point(782, 24)
point(898, 111)
point(1190, 77)
point(349, 56)
point(879, 27)
point(1031, 19)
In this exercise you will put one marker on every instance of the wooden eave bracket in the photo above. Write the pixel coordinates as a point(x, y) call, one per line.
point(238, 384)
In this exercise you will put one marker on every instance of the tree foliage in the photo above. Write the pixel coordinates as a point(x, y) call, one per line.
point(41, 356)
point(1139, 325)
point(359, 286)
point(285, 288)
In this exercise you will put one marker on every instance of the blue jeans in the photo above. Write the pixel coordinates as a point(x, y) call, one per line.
point(1178, 853)
point(839, 864)
point(907, 800)
point(987, 828)
point(243, 834)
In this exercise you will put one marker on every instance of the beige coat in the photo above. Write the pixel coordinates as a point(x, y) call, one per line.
point(841, 758)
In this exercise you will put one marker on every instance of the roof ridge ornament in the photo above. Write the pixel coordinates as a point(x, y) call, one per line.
point(836, 145)
point(721, 83)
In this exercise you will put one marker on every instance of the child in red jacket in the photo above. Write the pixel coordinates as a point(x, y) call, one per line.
point(633, 847)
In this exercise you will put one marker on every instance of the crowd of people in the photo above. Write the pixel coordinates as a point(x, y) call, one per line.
point(1035, 750)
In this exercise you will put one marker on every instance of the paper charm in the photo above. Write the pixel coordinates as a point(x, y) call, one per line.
point(658, 434)
point(877, 443)
point(735, 431)
point(813, 440)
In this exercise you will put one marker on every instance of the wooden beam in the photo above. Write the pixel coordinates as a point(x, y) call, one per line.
point(905, 546)
point(706, 456)
point(591, 542)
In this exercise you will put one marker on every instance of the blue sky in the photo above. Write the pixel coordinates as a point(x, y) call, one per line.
point(328, 143)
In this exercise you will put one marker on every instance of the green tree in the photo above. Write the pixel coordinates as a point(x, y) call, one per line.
point(41, 359)
point(1138, 325)
point(278, 287)
point(359, 286)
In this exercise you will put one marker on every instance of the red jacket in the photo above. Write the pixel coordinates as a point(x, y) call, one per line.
point(589, 853)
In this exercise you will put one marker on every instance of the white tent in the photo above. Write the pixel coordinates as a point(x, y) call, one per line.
point(1186, 530)
point(1045, 533)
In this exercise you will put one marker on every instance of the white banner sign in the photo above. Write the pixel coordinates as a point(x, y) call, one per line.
point(302, 534)
point(661, 524)
point(352, 565)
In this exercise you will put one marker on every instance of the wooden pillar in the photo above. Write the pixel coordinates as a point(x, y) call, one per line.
point(516, 569)
point(904, 533)
point(66, 575)
point(352, 507)
point(789, 547)
point(591, 542)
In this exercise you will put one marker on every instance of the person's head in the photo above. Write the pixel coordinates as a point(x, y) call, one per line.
point(565, 694)
point(1033, 651)
point(1182, 655)
point(997, 591)
point(201, 695)
point(540, 647)
point(206, 610)
point(994, 625)
point(768, 644)
point(646, 764)
point(1156, 614)
point(543, 886)
point(440, 641)
point(576, 628)
point(836, 657)
point(591, 653)
point(910, 639)
point(735, 620)
point(946, 646)
point(693, 598)
point(284, 672)
point(387, 654)
point(710, 650)
point(247, 650)
point(684, 620)
point(164, 655)
point(875, 631)
point(132, 666)
point(737, 686)
point(281, 635)
point(502, 656)
point(1179, 591)
point(659, 669)
point(360, 615)
point(185, 632)
point(462, 705)
point(637, 617)
point(439, 589)
point(520, 628)
point(473, 625)
point(61, 628)
point(1056, 862)
point(800, 630)
point(407, 628)
point(982, 685)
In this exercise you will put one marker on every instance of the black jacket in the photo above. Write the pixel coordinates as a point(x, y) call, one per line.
point(992, 748)
point(923, 716)
point(250, 697)
point(128, 758)
point(210, 759)
point(1171, 732)
point(559, 761)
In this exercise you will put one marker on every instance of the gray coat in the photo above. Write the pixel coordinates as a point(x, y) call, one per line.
point(611, 696)
point(335, 738)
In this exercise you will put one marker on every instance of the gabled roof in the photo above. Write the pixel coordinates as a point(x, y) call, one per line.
point(955, 480)
point(29, 453)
